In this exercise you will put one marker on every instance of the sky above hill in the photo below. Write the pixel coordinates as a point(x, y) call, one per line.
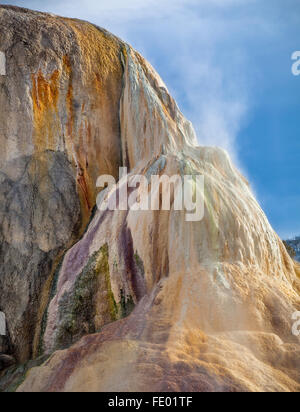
point(228, 64)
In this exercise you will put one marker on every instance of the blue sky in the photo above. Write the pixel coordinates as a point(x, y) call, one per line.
point(228, 64)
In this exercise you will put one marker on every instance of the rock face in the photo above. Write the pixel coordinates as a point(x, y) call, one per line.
point(142, 300)
point(59, 131)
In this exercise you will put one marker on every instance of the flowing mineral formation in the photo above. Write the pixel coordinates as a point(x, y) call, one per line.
point(127, 300)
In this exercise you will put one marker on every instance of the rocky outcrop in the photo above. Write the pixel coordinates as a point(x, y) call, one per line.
point(59, 131)
point(143, 300)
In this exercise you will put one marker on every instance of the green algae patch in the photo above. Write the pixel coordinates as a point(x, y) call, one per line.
point(140, 264)
point(104, 269)
point(126, 304)
point(91, 303)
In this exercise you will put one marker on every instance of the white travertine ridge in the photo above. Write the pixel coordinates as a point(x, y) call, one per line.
point(2, 64)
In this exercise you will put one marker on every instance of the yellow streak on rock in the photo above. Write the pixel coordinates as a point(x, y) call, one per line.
point(101, 47)
point(45, 94)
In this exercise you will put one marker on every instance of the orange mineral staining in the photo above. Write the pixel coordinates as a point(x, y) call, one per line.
point(45, 94)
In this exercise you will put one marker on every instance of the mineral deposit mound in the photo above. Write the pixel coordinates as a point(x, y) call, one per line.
point(125, 300)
